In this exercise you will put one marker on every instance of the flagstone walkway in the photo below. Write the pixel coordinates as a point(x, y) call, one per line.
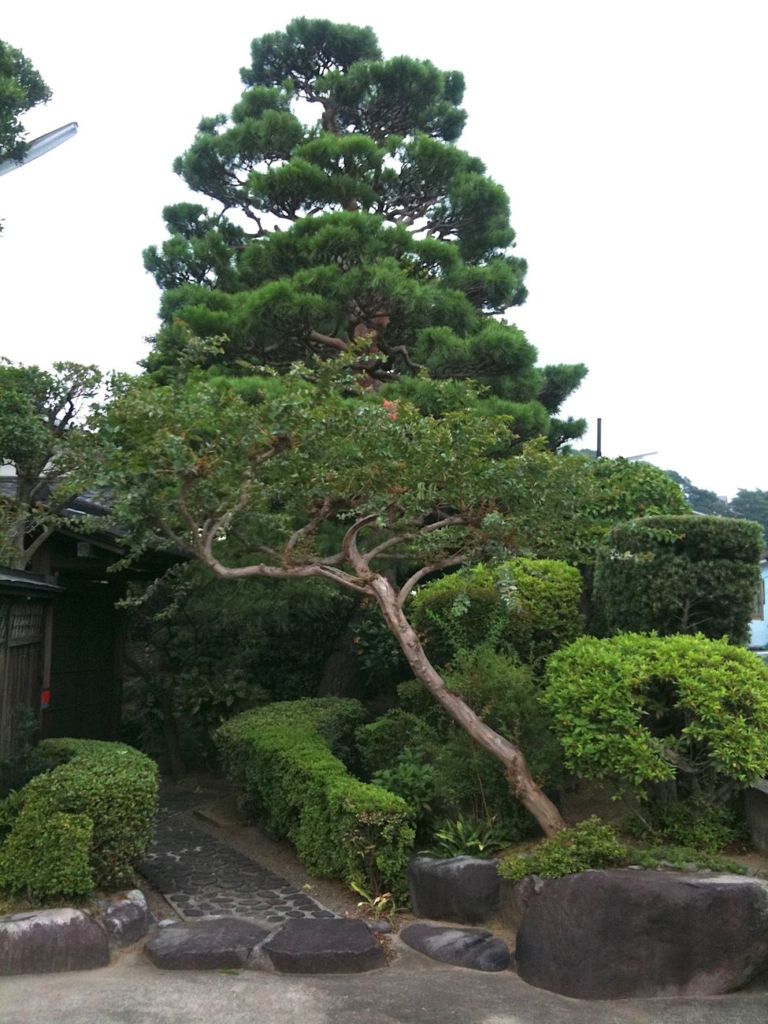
point(200, 876)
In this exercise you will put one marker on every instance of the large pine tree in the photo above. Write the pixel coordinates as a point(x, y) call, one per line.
point(345, 215)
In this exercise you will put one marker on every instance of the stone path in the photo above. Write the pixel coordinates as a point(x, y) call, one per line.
point(200, 876)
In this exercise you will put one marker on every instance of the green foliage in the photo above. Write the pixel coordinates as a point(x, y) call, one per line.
point(41, 438)
point(467, 837)
point(203, 650)
point(47, 855)
point(588, 845)
point(280, 757)
point(412, 779)
point(530, 606)
point(380, 743)
point(679, 574)
point(21, 89)
point(684, 858)
point(466, 779)
point(367, 223)
point(688, 823)
point(650, 709)
point(82, 825)
point(752, 505)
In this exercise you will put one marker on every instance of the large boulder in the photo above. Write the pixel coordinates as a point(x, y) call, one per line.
point(213, 944)
point(41, 941)
point(475, 948)
point(463, 889)
point(615, 934)
point(324, 946)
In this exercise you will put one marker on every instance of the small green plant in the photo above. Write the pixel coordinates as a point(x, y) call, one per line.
point(381, 906)
point(590, 844)
point(684, 858)
point(469, 837)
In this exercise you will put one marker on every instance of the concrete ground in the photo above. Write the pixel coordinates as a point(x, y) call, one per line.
point(412, 991)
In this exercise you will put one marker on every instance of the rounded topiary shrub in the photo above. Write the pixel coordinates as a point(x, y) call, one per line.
point(678, 574)
point(529, 605)
point(647, 709)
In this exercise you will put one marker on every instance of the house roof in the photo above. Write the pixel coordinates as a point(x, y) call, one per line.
point(13, 581)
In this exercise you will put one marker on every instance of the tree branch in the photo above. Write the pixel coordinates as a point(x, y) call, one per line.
point(309, 528)
point(351, 551)
point(326, 339)
point(427, 570)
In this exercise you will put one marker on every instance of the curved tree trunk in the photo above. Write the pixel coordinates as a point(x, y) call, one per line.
point(521, 782)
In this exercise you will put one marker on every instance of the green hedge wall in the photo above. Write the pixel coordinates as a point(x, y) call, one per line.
point(678, 574)
point(282, 760)
point(83, 825)
point(530, 605)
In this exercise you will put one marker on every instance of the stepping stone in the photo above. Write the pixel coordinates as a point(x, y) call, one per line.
point(327, 946)
point(41, 941)
point(464, 889)
point(475, 948)
point(210, 945)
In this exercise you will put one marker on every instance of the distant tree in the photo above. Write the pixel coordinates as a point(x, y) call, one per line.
point(752, 505)
point(700, 500)
point(21, 88)
point(347, 219)
point(40, 435)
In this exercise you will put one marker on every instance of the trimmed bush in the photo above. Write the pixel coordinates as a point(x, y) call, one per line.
point(652, 709)
point(281, 759)
point(678, 574)
point(588, 845)
point(529, 605)
point(82, 825)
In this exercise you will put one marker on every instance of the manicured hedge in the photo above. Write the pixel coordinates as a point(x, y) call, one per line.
point(281, 759)
point(652, 709)
point(530, 605)
point(81, 826)
point(678, 574)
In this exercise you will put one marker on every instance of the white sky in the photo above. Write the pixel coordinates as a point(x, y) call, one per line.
point(630, 136)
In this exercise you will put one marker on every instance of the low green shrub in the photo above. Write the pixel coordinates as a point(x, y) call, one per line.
point(282, 760)
point(82, 825)
point(530, 606)
point(684, 858)
point(651, 709)
point(688, 823)
point(590, 844)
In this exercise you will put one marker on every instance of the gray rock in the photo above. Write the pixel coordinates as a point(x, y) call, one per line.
point(212, 944)
point(324, 946)
point(619, 934)
point(126, 920)
point(463, 889)
point(475, 948)
point(514, 898)
point(42, 941)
